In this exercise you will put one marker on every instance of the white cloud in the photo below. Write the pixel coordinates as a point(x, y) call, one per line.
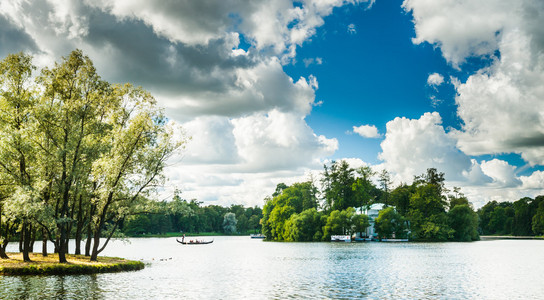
point(352, 29)
point(502, 173)
point(240, 160)
point(310, 61)
point(367, 131)
point(435, 79)
point(533, 181)
point(500, 105)
point(461, 28)
point(412, 146)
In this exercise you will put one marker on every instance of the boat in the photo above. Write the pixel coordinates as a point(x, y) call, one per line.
point(257, 236)
point(341, 238)
point(193, 242)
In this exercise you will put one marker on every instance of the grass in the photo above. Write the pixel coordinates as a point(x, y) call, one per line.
point(77, 264)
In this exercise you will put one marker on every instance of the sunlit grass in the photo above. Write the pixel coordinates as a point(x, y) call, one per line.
point(77, 264)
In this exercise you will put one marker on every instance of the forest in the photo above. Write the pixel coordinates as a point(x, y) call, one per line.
point(182, 216)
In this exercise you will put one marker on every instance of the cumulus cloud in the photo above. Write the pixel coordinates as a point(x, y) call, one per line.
point(500, 105)
point(501, 172)
point(435, 79)
point(367, 131)
point(412, 146)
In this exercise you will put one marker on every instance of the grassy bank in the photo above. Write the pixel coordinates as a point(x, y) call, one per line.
point(77, 264)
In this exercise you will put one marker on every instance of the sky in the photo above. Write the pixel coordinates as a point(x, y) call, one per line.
point(269, 91)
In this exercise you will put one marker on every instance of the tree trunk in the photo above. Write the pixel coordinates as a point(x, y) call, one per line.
point(3, 254)
point(96, 243)
point(92, 209)
point(62, 245)
point(88, 243)
point(44, 242)
point(32, 239)
point(3, 245)
point(79, 226)
point(21, 236)
point(26, 240)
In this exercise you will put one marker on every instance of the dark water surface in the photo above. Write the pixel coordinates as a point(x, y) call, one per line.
point(242, 268)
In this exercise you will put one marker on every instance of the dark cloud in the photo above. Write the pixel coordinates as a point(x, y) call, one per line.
point(531, 141)
point(13, 39)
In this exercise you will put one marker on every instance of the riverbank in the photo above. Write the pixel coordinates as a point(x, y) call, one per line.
point(509, 237)
point(187, 234)
point(77, 264)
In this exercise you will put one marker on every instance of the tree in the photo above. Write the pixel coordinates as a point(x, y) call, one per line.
point(363, 187)
point(17, 156)
point(229, 223)
point(464, 221)
point(304, 227)
point(338, 182)
point(344, 222)
point(400, 198)
point(390, 223)
point(538, 219)
point(384, 178)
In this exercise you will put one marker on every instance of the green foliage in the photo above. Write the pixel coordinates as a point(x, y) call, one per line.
point(338, 180)
point(538, 219)
point(277, 211)
point(304, 227)
point(344, 222)
point(464, 221)
point(390, 223)
point(522, 217)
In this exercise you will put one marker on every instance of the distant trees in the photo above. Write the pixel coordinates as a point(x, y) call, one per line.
point(522, 217)
point(180, 215)
point(229, 223)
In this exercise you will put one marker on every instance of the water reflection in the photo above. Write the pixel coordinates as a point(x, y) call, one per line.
point(238, 267)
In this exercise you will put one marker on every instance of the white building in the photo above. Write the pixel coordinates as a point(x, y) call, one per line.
point(372, 212)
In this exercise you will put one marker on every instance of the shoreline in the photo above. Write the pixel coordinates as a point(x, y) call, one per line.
point(77, 264)
point(509, 237)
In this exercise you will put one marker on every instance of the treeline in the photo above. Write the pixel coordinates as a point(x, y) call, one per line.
point(78, 155)
point(184, 216)
point(524, 217)
point(424, 210)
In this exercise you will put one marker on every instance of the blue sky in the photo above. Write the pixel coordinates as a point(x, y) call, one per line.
point(269, 91)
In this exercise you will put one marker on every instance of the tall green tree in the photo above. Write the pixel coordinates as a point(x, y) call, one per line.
point(337, 182)
point(363, 188)
point(17, 154)
point(464, 221)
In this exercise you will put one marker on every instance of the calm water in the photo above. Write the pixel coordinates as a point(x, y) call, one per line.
point(242, 268)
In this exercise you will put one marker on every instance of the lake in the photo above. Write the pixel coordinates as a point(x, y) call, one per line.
point(244, 268)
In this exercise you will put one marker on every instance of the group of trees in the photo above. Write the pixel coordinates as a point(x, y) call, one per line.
point(522, 218)
point(179, 215)
point(302, 212)
point(77, 154)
